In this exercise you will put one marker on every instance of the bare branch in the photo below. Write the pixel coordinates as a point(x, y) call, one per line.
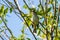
point(1, 37)
point(41, 5)
point(3, 33)
point(26, 4)
point(6, 26)
point(14, 9)
point(5, 3)
point(18, 15)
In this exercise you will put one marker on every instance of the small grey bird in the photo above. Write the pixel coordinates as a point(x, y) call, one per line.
point(35, 20)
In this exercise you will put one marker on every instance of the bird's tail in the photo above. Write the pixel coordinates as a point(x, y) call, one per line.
point(34, 31)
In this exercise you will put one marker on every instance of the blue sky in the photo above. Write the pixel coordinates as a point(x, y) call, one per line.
point(15, 24)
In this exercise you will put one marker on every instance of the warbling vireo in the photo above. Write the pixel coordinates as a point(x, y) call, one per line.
point(35, 20)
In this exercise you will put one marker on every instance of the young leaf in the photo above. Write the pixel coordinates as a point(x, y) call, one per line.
point(38, 32)
point(0, 21)
point(28, 38)
point(48, 9)
point(25, 7)
point(50, 2)
point(28, 21)
point(4, 27)
point(5, 11)
point(2, 9)
point(11, 9)
point(22, 30)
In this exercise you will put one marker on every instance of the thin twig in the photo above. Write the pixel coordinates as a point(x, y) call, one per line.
point(18, 15)
point(46, 19)
point(43, 12)
point(41, 5)
point(5, 3)
point(58, 13)
point(1, 37)
point(4, 32)
point(52, 29)
point(55, 16)
point(14, 10)
point(42, 31)
point(6, 26)
point(26, 4)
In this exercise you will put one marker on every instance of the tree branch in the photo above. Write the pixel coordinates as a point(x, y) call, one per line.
point(41, 5)
point(18, 15)
point(46, 19)
point(2, 30)
point(6, 26)
point(1, 37)
point(13, 10)
point(26, 4)
point(5, 2)
point(55, 16)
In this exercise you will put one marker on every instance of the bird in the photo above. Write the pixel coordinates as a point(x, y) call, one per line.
point(35, 20)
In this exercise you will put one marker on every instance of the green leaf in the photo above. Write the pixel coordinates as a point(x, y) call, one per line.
point(38, 32)
point(56, 38)
point(48, 9)
point(28, 38)
point(25, 7)
point(39, 12)
point(5, 11)
point(51, 1)
point(5, 20)
point(11, 9)
point(22, 30)
point(23, 37)
point(28, 21)
point(2, 8)
point(4, 27)
point(1, 30)
point(0, 21)
point(10, 2)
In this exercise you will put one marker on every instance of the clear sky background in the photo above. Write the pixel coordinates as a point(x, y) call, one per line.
point(15, 24)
